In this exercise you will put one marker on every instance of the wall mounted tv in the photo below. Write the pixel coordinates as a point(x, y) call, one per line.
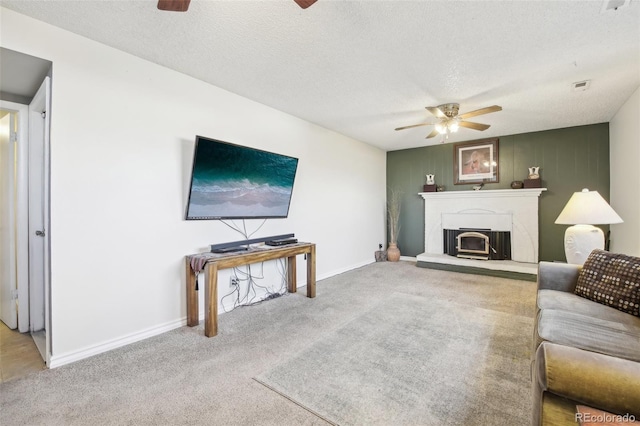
point(230, 181)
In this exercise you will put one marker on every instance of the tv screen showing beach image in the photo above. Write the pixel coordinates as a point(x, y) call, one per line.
point(232, 181)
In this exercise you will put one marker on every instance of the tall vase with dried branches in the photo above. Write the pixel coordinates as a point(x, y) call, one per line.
point(393, 210)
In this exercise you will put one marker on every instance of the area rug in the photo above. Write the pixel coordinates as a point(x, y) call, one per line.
point(412, 360)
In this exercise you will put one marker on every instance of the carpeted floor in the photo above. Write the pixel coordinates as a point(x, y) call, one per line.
point(413, 360)
point(181, 377)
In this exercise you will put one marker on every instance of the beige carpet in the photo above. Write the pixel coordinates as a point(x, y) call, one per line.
point(415, 360)
point(184, 378)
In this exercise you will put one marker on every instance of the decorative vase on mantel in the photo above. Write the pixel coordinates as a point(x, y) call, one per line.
point(393, 252)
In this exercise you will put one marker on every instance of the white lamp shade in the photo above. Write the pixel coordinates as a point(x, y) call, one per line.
point(587, 208)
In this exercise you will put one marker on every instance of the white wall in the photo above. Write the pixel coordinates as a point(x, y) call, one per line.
point(121, 148)
point(624, 151)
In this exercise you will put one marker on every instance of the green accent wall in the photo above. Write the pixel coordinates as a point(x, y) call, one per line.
point(570, 159)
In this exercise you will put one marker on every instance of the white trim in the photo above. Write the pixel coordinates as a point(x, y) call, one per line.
point(88, 351)
point(409, 258)
point(343, 270)
point(525, 192)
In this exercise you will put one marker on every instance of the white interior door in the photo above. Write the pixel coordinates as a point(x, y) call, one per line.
point(8, 282)
point(39, 113)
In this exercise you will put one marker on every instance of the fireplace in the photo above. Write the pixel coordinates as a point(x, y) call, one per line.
point(483, 244)
point(506, 210)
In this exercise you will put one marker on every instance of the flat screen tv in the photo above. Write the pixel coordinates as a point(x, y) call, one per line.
point(230, 181)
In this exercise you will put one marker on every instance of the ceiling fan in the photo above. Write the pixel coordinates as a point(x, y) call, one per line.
point(450, 121)
point(183, 5)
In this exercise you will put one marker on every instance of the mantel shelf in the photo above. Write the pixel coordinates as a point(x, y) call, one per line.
point(487, 193)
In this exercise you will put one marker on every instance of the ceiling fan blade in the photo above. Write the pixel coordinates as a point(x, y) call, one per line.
point(305, 3)
point(474, 126)
point(487, 110)
point(413, 125)
point(436, 111)
point(433, 134)
point(174, 5)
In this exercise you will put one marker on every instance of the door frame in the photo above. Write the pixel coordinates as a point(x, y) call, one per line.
point(22, 207)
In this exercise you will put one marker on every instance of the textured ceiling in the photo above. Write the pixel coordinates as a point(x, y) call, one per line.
point(363, 68)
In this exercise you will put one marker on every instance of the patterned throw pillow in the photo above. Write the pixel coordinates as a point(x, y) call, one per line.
point(611, 279)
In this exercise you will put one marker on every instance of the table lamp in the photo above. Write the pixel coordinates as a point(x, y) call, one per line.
point(585, 209)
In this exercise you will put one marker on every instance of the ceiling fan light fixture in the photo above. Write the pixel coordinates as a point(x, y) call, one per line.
point(447, 126)
point(450, 121)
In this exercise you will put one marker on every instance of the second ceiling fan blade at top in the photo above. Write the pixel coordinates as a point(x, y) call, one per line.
point(183, 5)
point(487, 110)
point(304, 3)
point(174, 5)
point(413, 125)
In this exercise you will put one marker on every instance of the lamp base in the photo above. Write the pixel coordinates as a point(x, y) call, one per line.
point(580, 241)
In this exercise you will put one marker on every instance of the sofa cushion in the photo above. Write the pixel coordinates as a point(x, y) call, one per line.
point(611, 279)
point(550, 299)
point(588, 332)
point(556, 410)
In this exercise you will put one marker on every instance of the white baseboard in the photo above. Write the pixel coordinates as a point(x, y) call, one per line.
point(342, 270)
point(409, 258)
point(88, 351)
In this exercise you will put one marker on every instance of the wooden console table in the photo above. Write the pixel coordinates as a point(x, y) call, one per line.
point(215, 262)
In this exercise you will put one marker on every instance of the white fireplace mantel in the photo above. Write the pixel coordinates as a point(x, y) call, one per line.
point(492, 193)
point(513, 210)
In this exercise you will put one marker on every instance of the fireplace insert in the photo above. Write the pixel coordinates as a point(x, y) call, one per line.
point(483, 244)
point(473, 245)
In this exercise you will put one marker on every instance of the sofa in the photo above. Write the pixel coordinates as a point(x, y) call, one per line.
point(586, 349)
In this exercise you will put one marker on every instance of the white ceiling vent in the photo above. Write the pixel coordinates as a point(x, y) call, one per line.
point(581, 86)
point(608, 5)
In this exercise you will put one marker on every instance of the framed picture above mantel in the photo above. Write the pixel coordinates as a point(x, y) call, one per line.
point(476, 162)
